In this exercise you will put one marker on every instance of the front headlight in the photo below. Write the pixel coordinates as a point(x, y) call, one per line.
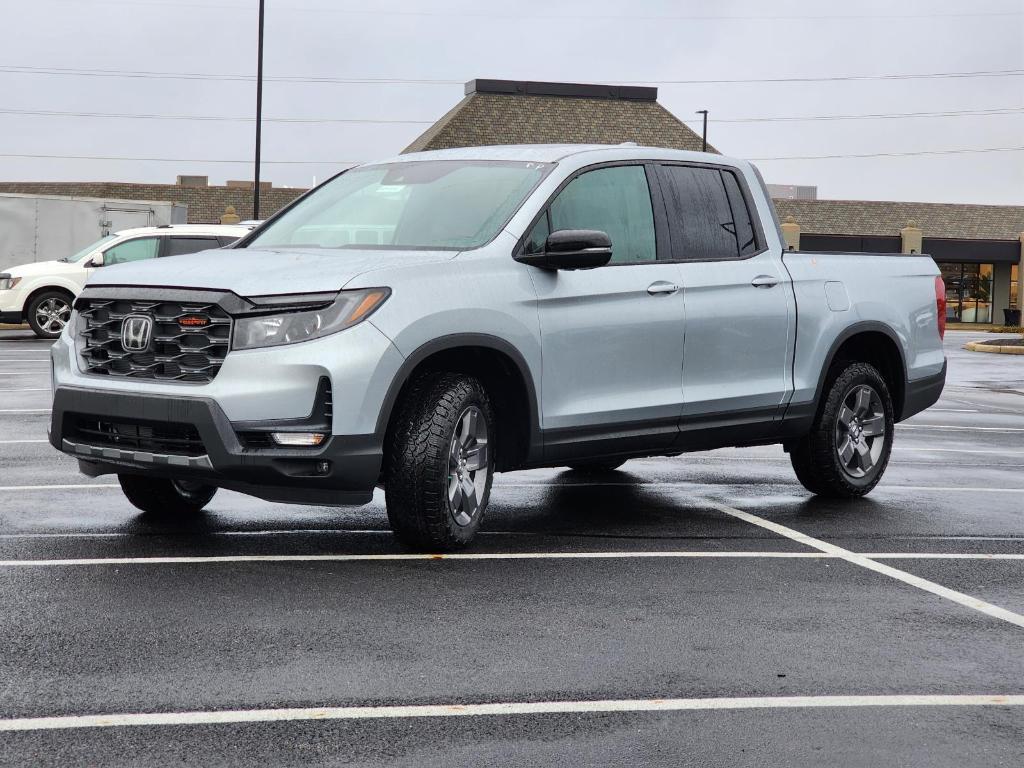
point(349, 308)
point(7, 282)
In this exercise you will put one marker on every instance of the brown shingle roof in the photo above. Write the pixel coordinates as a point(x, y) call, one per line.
point(874, 217)
point(483, 119)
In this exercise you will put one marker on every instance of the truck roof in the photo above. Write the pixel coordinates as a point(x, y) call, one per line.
point(552, 153)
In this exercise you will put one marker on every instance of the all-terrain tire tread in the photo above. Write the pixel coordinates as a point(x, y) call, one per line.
point(416, 459)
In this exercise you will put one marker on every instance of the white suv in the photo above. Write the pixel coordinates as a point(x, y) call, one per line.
point(42, 293)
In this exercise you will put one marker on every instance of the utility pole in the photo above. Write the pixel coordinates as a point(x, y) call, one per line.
point(704, 145)
point(259, 114)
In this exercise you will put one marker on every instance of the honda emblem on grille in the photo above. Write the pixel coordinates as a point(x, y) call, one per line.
point(136, 331)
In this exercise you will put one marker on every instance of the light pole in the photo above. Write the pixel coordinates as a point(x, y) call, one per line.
point(259, 114)
point(704, 143)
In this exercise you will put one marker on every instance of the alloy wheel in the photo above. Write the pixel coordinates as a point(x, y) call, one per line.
point(467, 465)
point(52, 315)
point(860, 431)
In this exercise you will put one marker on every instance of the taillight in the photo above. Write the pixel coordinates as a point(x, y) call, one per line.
point(940, 305)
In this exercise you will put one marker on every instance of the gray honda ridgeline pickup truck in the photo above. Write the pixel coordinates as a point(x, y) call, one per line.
point(421, 323)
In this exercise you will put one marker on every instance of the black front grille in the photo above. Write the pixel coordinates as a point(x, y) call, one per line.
point(151, 437)
point(189, 340)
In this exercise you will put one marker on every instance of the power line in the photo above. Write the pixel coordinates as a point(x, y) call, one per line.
point(146, 74)
point(153, 75)
point(570, 17)
point(355, 162)
point(875, 116)
point(178, 159)
point(996, 111)
point(892, 154)
point(143, 116)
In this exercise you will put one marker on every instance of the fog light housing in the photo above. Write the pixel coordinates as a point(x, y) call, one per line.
point(298, 439)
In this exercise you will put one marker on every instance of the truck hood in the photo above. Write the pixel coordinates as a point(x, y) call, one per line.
point(262, 272)
point(43, 268)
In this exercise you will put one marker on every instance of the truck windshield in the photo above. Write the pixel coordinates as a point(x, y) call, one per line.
point(435, 204)
point(87, 250)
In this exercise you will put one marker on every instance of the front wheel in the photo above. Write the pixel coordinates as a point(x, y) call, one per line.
point(163, 498)
point(847, 450)
point(48, 313)
point(440, 459)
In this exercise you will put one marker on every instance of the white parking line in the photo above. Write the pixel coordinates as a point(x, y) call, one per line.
point(865, 562)
point(221, 716)
point(19, 442)
point(615, 555)
point(916, 488)
point(33, 389)
point(695, 483)
point(25, 410)
point(22, 360)
point(962, 429)
point(623, 555)
point(943, 555)
point(1007, 452)
point(77, 486)
point(954, 410)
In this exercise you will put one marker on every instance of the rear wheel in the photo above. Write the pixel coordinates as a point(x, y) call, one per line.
point(847, 450)
point(48, 313)
point(160, 497)
point(440, 459)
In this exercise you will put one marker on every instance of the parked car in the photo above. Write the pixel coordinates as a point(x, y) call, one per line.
point(41, 293)
point(424, 322)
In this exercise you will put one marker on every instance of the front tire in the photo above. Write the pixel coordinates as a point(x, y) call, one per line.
point(440, 459)
point(163, 498)
point(848, 448)
point(48, 313)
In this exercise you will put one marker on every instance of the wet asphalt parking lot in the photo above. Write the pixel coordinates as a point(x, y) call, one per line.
point(699, 610)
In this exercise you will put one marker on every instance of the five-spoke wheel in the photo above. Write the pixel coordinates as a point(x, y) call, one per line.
point(860, 430)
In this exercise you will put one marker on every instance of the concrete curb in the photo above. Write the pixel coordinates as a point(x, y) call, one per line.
point(977, 346)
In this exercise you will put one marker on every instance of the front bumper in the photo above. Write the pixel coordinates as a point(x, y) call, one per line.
point(274, 474)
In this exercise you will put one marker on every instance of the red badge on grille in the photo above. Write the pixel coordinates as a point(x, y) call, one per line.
point(194, 322)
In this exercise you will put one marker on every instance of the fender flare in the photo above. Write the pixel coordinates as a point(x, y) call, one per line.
point(452, 341)
point(865, 326)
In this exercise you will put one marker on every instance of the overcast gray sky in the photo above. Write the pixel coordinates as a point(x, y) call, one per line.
point(449, 41)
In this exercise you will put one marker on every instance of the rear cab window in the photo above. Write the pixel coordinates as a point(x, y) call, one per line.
point(708, 214)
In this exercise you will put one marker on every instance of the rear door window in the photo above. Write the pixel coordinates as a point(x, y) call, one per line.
point(702, 219)
point(177, 246)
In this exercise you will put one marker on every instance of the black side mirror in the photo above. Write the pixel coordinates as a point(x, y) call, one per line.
point(572, 249)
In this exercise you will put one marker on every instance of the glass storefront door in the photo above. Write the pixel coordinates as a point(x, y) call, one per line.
point(968, 292)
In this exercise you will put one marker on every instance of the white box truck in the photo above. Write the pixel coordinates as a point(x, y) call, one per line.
point(48, 227)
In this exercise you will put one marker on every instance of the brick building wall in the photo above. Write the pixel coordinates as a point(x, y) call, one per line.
point(205, 204)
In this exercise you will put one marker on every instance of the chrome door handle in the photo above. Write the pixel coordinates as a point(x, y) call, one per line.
point(765, 281)
point(662, 287)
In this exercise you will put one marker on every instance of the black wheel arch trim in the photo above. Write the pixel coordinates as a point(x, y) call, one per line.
point(800, 410)
point(453, 341)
